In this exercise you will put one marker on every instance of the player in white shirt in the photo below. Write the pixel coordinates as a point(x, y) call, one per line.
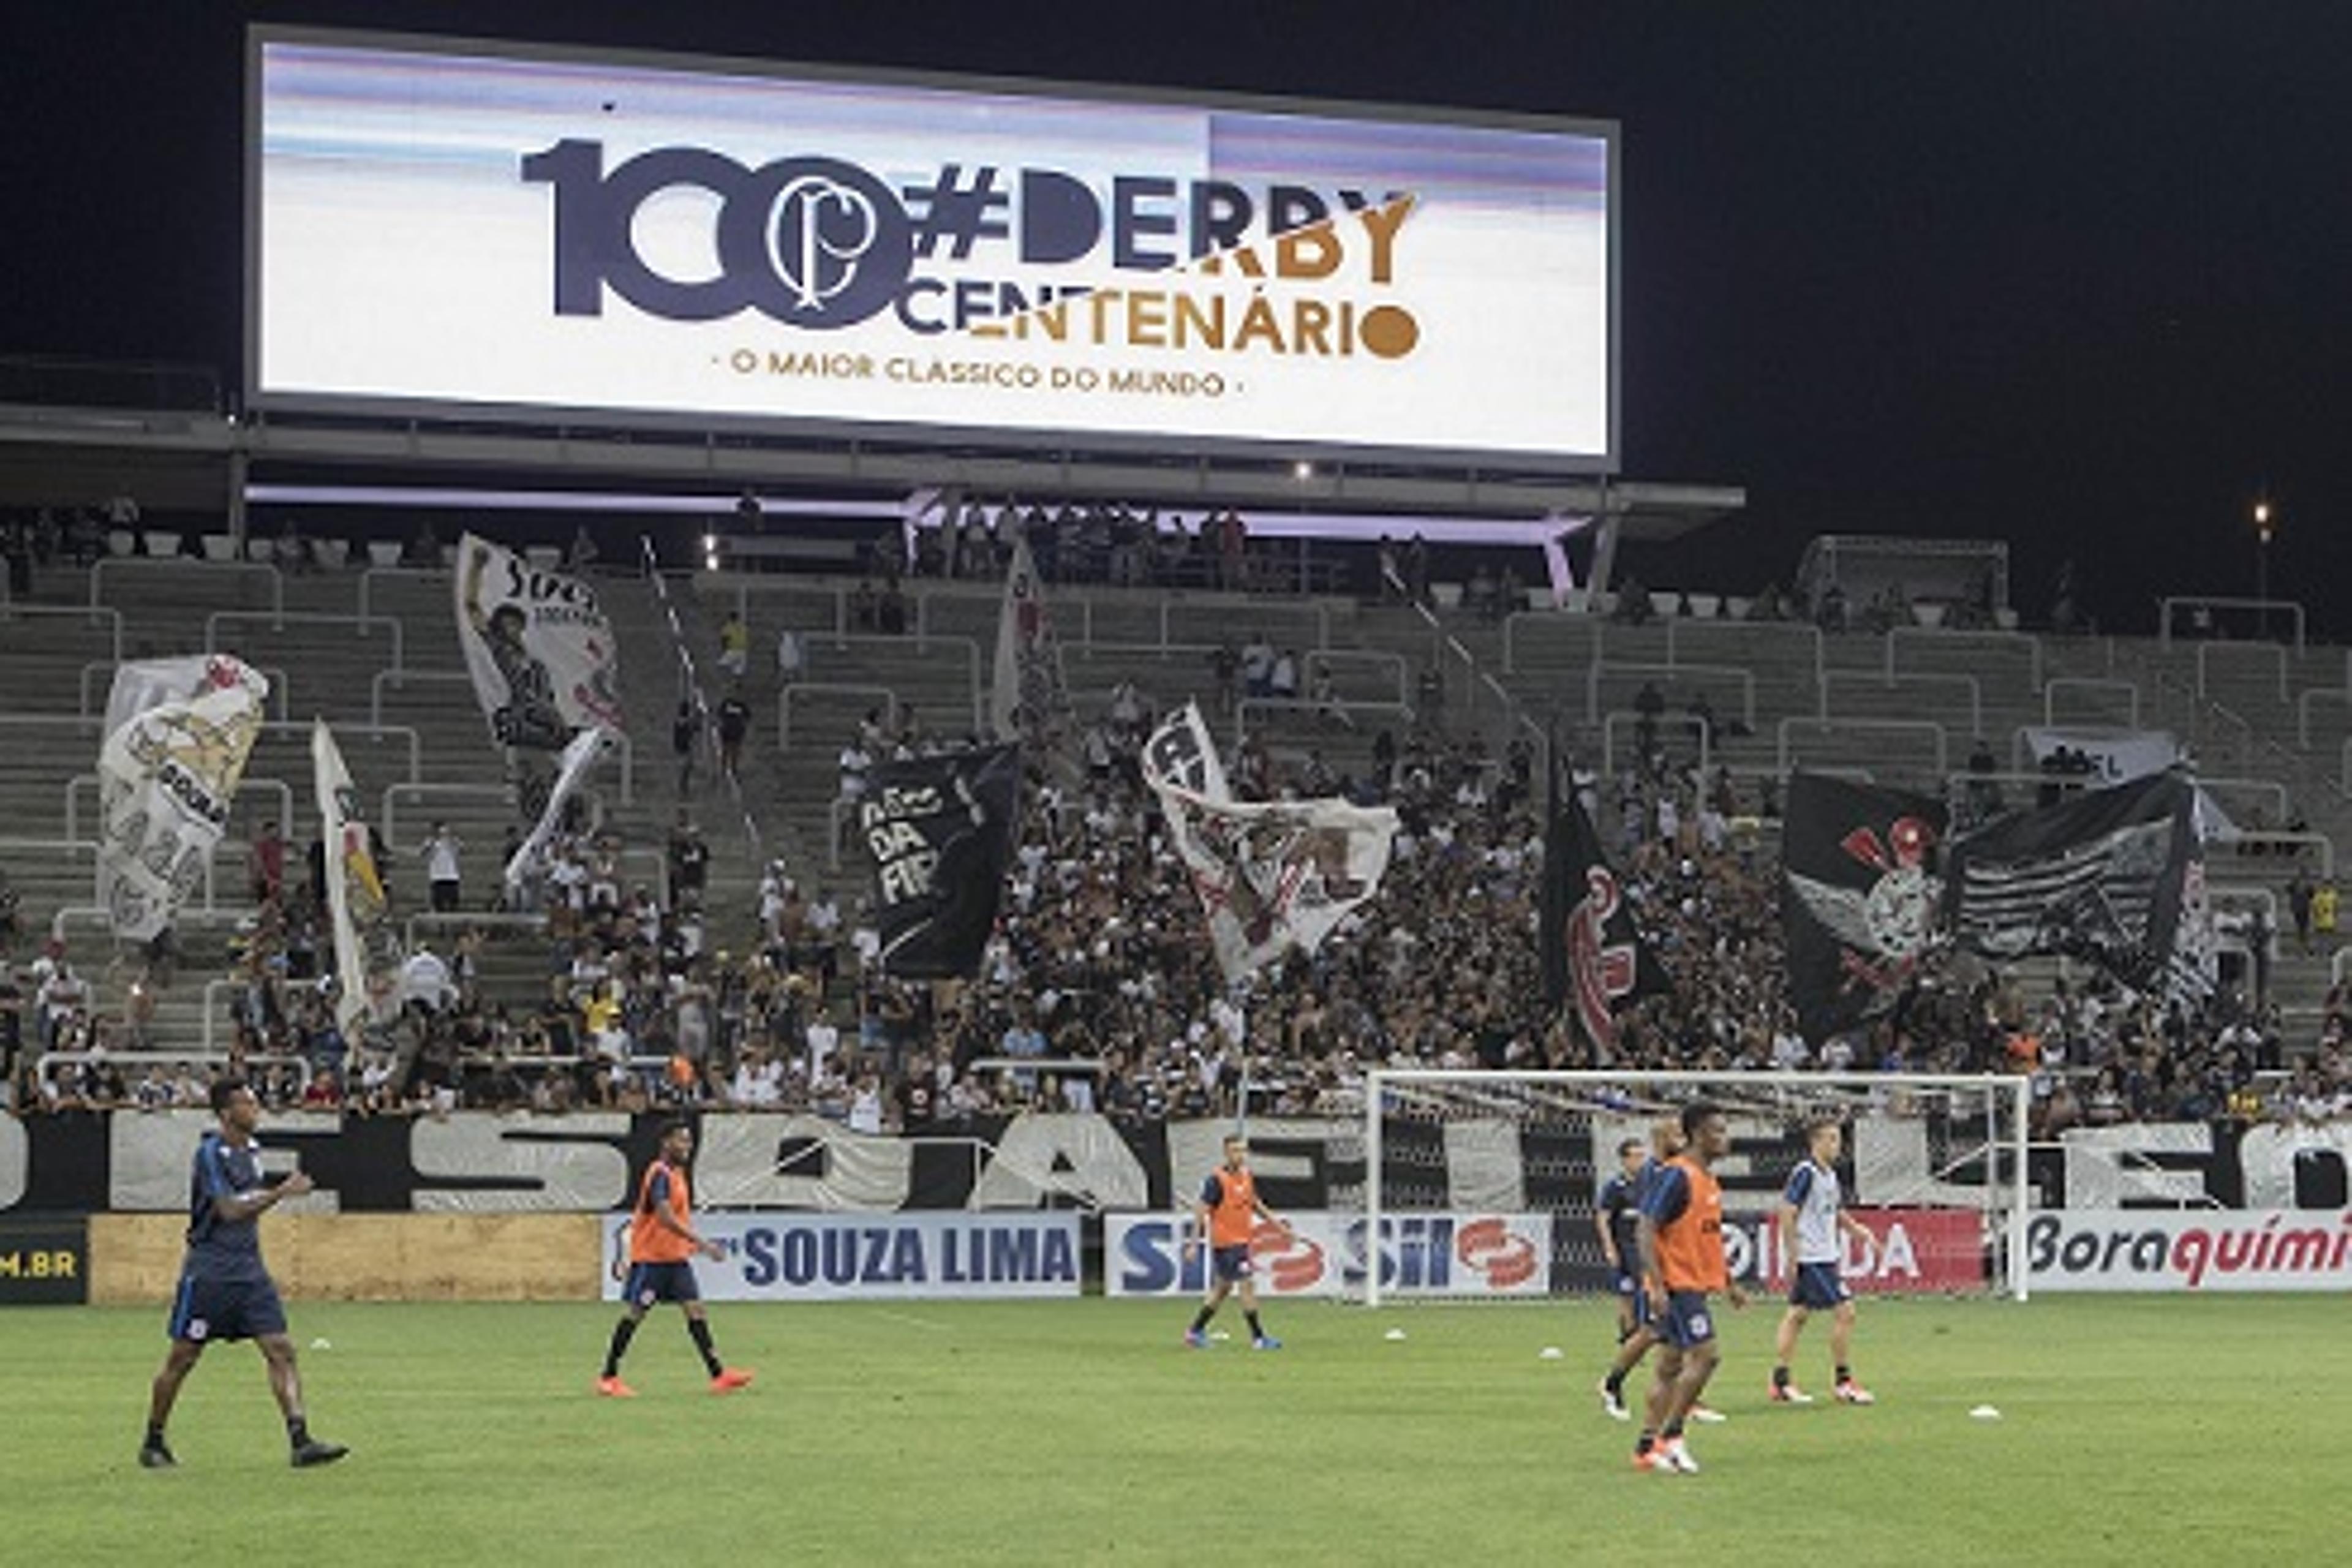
point(1813, 1223)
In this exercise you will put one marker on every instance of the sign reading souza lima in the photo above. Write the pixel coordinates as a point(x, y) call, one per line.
point(814, 1258)
point(473, 223)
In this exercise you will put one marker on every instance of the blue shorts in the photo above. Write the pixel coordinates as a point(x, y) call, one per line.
point(1629, 1287)
point(1229, 1265)
point(1818, 1285)
point(207, 1310)
point(650, 1282)
point(1688, 1322)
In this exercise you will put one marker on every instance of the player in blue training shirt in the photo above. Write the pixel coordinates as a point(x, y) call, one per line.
point(224, 1292)
point(1618, 1218)
point(1813, 1223)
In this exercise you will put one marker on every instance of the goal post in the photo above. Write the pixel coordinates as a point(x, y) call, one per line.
point(1934, 1164)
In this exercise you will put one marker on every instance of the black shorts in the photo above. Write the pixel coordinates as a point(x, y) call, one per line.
point(650, 1282)
point(208, 1309)
point(1229, 1265)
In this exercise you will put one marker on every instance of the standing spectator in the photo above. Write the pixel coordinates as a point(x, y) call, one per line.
point(2299, 894)
point(2323, 913)
point(734, 724)
point(822, 1039)
point(689, 860)
point(734, 645)
point(440, 854)
point(265, 865)
point(791, 656)
point(685, 739)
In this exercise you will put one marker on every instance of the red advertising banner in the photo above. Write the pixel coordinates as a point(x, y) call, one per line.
point(1912, 1251)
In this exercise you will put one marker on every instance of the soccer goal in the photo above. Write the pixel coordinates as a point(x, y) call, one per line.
point(1486, 1185)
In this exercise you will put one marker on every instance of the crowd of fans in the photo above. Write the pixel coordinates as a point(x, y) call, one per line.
point(1099, 992)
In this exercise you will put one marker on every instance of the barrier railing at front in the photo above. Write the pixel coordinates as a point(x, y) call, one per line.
point(45, 1065)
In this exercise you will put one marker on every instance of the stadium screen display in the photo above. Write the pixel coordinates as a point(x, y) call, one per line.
point(472, 225)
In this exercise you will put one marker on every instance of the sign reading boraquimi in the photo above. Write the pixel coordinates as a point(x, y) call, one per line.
point(455, 225)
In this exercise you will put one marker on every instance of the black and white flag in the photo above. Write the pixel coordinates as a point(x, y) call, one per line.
point(1859, 897)
point(1593, 955)
point(2115, 877)
point(941, 830)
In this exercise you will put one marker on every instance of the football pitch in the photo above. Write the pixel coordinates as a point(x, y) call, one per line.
point(2143, 1429)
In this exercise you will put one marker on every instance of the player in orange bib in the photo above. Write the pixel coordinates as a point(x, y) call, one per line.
point(662, 1245)
point(1229, 1210)
point(1682, 1260)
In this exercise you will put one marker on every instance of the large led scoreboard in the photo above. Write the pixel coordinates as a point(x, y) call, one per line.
point(471, 226)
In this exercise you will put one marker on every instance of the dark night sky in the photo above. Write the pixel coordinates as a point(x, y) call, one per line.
point(2073, 273)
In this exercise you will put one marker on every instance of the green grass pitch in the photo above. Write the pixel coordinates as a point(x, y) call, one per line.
point(2141, 1430)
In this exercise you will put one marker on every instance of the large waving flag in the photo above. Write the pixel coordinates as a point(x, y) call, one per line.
point(178, 731)
point(940, 831)
point(1593, 954)
point(1272, 876)
point(539, 646)
point(1027, 697)
point(367, 953)
point(1859, 897)
point(579, 759)
point(2115, 875)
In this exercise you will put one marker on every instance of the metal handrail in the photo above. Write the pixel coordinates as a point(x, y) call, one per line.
point(1600, 667)
point(832, 688)
point(1896, 636)
point(94, 613)
point(279, 620)
point(1547, 617)
point(2303, 709)
point(279, 684)
point(2206, 649)
point(1888, 683)
point(2165, 607)
point(2084, 683)
point(1888, 726)
point(1611, 721)
point(1806, 630)
point(403, 678)
point(368, 577)
point(211, 569)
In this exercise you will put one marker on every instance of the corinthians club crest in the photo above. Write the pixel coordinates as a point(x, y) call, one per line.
point(1884, 929)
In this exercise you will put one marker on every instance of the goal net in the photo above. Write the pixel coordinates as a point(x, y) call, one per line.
point(1486, 1185)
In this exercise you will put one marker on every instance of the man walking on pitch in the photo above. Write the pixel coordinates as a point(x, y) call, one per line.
point(662, 1245)
point(1682, 1262)
point(1618, 1217)
point(1228, 1209)
point(1812, 1219)
point(224, 1292)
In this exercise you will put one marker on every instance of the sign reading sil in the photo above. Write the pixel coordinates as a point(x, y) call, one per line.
point(1451, 1253)
point(464, 223)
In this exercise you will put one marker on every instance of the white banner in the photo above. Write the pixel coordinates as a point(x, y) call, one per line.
point(539, 646)
point(366, 953)
point(1459, 1253)
point(1272, 876)
point(2191, 1249)
point(2118, 756)
point(877, 1257)
point(179, 732)
point(1025, 695)
point(585, 750)
point(465, 223)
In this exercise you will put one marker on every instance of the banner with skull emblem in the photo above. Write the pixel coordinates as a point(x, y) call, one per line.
point(1859, 897)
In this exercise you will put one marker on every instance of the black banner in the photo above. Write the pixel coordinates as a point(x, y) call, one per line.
point(1858, 898)
point(941, 830)
point(2103, 877)
point(1593, 954)
point(43, 1260)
